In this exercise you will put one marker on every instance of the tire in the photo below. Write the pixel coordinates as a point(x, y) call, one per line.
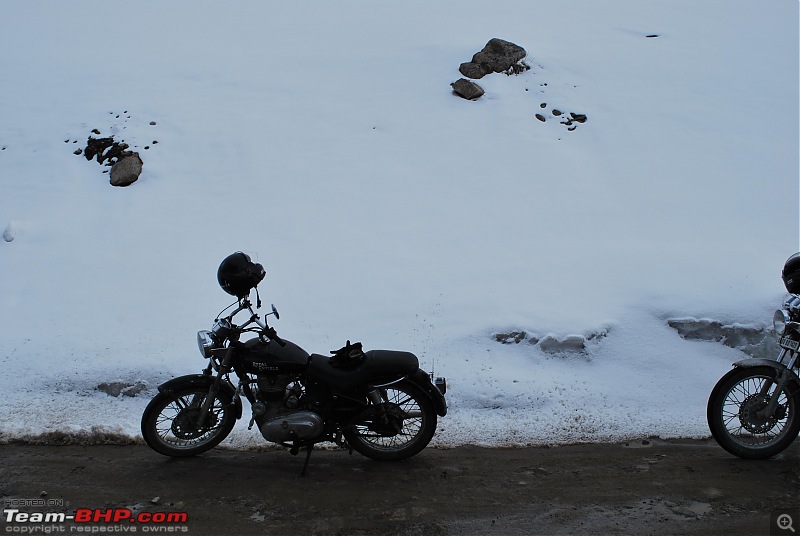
point(168, 422)
point(732, 415)
point(401, 430)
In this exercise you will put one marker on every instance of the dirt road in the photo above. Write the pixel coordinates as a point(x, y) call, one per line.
point(641, 487)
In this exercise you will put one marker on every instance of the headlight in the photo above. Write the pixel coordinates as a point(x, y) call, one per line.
point(779, 321)
point(205, 343)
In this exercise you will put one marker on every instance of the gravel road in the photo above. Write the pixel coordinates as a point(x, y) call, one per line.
point(639, 487)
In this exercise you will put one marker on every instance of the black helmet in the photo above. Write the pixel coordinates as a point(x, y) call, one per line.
point(237, 274)
point(791, 274)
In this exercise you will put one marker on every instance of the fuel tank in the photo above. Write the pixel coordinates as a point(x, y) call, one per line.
point(259, 357)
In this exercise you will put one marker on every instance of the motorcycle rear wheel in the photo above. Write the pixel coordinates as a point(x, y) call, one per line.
point(169, 422)
point(734, 420)
point(403, 427)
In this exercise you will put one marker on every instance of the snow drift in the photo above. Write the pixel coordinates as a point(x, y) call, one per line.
point(326, 139)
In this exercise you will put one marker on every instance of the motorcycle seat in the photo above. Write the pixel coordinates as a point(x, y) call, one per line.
point(378, 366)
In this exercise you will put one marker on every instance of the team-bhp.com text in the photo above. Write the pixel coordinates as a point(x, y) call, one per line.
point(94, 520)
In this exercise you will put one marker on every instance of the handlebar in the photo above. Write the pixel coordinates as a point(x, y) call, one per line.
point(245, 305)
point(274, 336)
point(266, 330)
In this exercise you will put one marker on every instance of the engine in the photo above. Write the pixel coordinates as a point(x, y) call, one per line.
point(279, 411)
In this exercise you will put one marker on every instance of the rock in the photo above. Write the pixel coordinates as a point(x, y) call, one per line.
point(580, 118)
point(134, 389)
point(116, 152)
point(473, 70)
point(569, 344)
point(126, 171)
point(552, 344)
point(752, 340)
point(112, 388)
point(126, 165)
point(8, 233)
point(541, 118)
point(507, 338)
point(466, 89)
point(96, 147)
point(499, 56)
point(122, 388)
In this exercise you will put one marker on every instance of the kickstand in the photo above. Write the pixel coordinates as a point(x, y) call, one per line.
point(309, 450)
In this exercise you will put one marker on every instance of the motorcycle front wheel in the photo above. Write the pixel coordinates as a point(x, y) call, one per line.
point(170, 422)
point(401, 426)
point(735, 415)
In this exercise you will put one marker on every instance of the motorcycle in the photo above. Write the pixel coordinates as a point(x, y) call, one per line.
point(379, 402)
point(753, 409)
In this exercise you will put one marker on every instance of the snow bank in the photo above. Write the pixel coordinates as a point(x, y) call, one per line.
point(325, 138)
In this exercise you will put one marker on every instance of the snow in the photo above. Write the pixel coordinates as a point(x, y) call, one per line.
point(324, 137)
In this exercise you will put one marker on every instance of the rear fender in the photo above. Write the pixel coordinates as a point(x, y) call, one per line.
point(421, 379)
point(203, 381)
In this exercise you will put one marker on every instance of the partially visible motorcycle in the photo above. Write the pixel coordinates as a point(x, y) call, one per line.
point(379, 402)
point(753, 410)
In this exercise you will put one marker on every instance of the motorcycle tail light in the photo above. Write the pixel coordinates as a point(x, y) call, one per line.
point(441, 384)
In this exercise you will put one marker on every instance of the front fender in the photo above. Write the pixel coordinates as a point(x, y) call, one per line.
point(761, 362)
point(204, 381)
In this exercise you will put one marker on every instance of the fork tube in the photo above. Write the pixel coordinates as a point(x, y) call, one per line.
point(773, 400)
point(214, 389)
point(781, 357)
point(375, 397)
point(768, 383)
point(792, 360)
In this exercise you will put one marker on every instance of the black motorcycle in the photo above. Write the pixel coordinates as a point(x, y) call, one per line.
point(379, 402)
point(753, 410)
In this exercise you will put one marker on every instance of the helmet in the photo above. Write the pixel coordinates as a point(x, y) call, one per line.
point(237, 274)
point(791, 274)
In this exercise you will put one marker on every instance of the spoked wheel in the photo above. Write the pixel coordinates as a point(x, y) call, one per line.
point(401, 426)
point(737, 418)
point(170, 422)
